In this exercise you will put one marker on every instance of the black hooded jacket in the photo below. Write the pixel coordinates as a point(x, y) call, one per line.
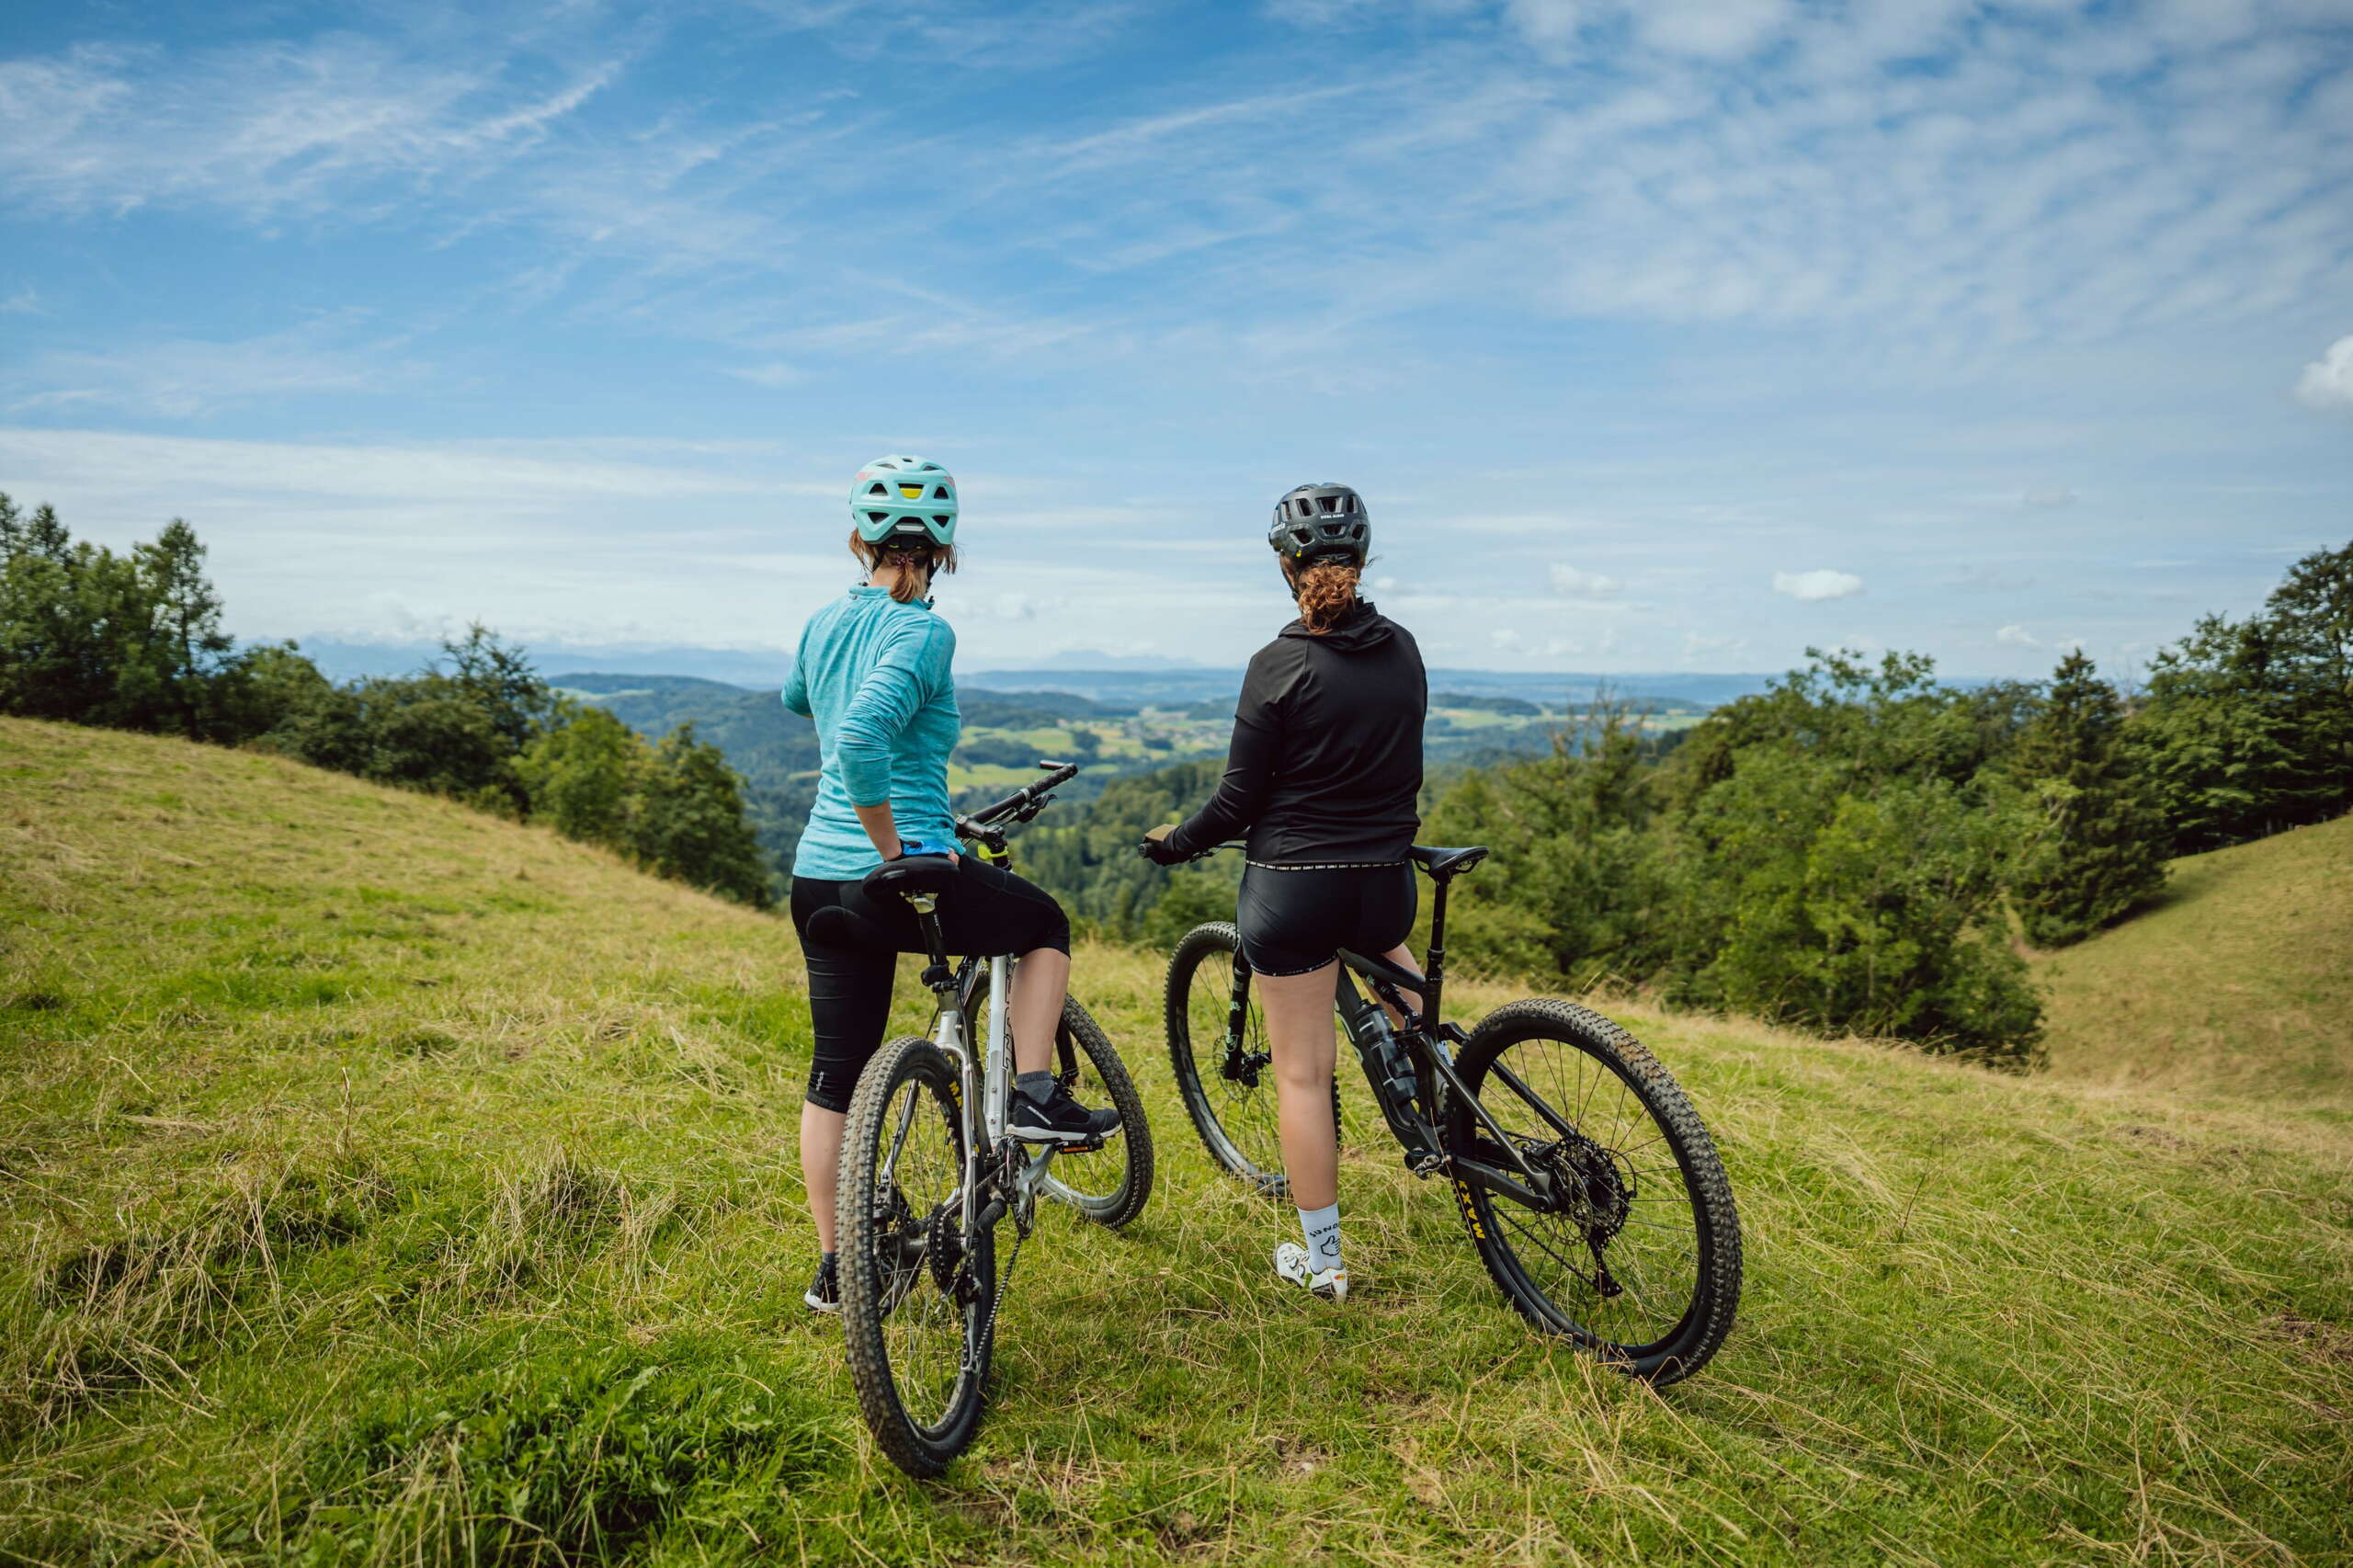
point(1325, 769)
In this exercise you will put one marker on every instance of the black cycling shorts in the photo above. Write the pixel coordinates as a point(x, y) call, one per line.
point(1295, 921)
point(853, 961)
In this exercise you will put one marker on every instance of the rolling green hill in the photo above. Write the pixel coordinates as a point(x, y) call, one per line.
point(368, 1165)
point(2240, 980)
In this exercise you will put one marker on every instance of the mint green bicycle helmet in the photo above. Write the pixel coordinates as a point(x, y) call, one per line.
point(904, 498)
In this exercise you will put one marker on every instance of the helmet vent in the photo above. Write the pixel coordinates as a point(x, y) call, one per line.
point(940, 493)
point(877, 489)
point(941, 521)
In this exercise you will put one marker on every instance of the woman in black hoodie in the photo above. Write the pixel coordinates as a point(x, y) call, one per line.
point(1324, 775)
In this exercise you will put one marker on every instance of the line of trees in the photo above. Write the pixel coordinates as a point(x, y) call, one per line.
point(1860, 847)
point(134, 642)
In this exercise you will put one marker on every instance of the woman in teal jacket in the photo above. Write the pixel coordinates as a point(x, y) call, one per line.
point(873, 671)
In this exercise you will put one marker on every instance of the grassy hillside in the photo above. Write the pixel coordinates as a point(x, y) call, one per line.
point(367, 1165)
point(2240, 980)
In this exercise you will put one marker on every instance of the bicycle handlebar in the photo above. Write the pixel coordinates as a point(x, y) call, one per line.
point(1018, 807)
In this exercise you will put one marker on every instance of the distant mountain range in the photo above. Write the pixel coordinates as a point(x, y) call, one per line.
point(1117, 680)
point(1169, 686)
point(752, 667)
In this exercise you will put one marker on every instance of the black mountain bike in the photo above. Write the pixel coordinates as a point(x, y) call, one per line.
point(1590, 1188)
point(928, 1171)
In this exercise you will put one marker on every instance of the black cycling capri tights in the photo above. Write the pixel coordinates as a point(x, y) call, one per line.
point(853, 963)
point(1292, 922)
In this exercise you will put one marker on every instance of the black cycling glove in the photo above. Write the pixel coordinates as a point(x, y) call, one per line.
point(1160, 852)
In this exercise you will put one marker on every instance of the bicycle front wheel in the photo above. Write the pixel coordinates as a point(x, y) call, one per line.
point(1217, 1046)
point(1638, 1258)
point(1110, 1184)
point(918, 1290)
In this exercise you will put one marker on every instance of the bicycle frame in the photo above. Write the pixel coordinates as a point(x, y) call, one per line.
point(1427, 1058)
point(985, 1083)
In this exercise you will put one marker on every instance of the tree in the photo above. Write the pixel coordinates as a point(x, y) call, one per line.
point(690, 823)
point(1590, 889)
point(2097, 847)
point(583, 775)
point(2248, 725)
point(1814, 894)
point(502, 682)
point(189, 653)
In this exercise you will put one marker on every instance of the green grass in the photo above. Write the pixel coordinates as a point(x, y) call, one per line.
point(383, 1183)
point(2240, 980)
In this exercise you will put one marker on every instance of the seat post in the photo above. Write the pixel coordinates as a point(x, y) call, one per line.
point(1434, 963)
point(937, 975)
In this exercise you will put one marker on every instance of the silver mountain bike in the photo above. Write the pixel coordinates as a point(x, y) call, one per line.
point(929, 1171)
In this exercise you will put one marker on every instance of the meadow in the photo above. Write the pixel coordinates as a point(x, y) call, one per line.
point(382, 1182)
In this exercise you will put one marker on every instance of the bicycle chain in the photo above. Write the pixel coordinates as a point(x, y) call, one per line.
point(1004, 1283)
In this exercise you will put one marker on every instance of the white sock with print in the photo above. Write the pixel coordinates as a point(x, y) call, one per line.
point(1322, 1228)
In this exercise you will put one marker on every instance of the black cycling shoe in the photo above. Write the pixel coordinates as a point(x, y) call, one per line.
point(1062, 1119)
point(824, 1292)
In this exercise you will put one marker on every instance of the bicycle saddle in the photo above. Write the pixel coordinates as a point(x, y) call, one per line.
point(1444, 863)
point(913, 873)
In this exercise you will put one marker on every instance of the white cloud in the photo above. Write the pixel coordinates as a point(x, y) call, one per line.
point(2051, 498)
point(2016, 636)
point(1570, 583)
point(1822, 584)
point(25, 302)
point(1721, 30)
point(2327, 382)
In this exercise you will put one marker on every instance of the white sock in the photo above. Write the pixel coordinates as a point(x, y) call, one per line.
point(1322, 1228)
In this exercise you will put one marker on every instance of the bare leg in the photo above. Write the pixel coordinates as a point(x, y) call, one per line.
point(1302, 1036)
point(820, 1165)
point(1034, 1009)
point(1402, 956)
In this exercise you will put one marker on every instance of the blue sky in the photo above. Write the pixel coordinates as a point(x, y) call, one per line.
point(1670, 337)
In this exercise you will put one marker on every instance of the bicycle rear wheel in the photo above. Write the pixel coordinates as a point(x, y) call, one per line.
point(1110, 1184)
point(1640, 1262)
point(1217, 1046)
point(917, 1290)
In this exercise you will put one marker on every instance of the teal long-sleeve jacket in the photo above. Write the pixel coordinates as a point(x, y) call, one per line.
point(874, 674)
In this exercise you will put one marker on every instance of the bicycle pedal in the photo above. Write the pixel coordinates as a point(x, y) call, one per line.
point(1095, 1147)
point(1425, 1163)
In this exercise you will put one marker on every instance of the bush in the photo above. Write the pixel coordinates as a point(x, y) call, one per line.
point(1817, 903)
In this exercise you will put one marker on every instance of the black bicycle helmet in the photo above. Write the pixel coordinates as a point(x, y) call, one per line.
point(1321, 522)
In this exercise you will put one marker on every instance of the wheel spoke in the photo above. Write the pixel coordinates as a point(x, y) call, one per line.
point(1639, 1208)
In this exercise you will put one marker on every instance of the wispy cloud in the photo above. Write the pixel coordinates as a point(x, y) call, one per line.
point(1570, 583)
point(262, 128)
point(180, 378)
